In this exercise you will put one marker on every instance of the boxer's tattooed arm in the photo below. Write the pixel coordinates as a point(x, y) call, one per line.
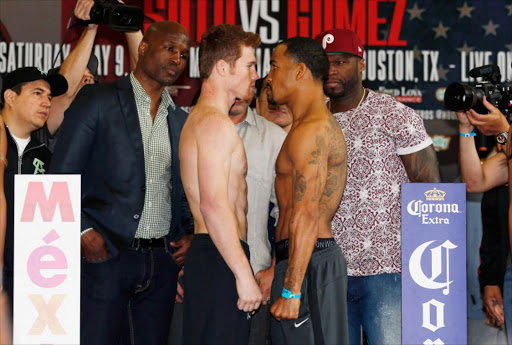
point(319, 158)
point(299, 186)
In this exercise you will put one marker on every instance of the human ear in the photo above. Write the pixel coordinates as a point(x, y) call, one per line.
point(9, 96)
point(142, 48)
point(300, 70)
point(361, 66)
point(222, 67)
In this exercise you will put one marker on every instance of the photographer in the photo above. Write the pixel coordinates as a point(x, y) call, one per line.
point(490, 177)
point(76, 68)
point(494, 171)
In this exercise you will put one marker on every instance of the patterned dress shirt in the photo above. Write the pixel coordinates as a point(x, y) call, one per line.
point(155, 220)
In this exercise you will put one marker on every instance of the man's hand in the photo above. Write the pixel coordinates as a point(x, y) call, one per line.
point(93, 246)
point(180, 293)
point(285, 309)
point(82, 11)
point(264, 279)
point(5, 320)
point(464, 125)
point(493, 303)
point(493, 123)
point(249, 294)
point(183, 244)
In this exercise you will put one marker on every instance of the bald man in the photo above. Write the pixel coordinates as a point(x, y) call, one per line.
point(123, 139)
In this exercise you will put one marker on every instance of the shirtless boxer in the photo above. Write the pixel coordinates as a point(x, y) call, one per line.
point(310, 279)
point(220, 289)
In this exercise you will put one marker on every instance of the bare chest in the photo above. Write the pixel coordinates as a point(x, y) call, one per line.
point(239, 162)
point(284, 165)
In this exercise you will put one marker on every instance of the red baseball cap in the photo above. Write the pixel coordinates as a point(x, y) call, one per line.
point(341, 41)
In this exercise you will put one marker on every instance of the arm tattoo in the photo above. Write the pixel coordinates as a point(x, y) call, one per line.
point(422, 166)
point(299, 186)
point(336, 154)
point(317, 160)
point(331, 184)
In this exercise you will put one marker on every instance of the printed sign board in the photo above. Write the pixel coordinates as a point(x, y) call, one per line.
point(47, 259)
point(434, 263)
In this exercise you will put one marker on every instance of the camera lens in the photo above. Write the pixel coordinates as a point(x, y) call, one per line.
point(121, 18)
point(462, 97)
point(127, 18)
point(117, 15)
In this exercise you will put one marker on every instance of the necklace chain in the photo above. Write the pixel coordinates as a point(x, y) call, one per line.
point(355, 111)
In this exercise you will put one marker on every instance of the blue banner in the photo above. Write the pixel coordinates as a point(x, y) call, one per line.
point(434, 263)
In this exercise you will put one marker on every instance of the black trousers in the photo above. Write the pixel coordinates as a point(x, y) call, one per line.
point(210, 314)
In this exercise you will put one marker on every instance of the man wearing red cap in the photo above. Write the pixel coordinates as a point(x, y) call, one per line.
point(387, 145)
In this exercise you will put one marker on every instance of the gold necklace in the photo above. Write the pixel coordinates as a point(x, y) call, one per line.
point(355, 112)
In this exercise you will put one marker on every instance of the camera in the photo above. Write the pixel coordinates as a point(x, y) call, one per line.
point(462, 97)
point(118, 16)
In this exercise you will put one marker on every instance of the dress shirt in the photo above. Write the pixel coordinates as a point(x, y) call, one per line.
point(262, 140)
point(156, 215)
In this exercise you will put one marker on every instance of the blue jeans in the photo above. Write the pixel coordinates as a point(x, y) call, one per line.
point(507, 303)
point(130, 297)
point(375, 304)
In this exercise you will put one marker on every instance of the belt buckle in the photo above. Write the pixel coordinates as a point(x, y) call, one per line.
point(150, 244)
point(136, 243)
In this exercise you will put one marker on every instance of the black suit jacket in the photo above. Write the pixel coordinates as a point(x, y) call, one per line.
point(101, 139)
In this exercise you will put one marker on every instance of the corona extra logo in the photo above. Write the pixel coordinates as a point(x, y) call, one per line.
point(423, 209)
point(434, 194)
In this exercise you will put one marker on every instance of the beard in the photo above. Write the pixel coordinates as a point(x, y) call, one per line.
point(344, 88)
point(270, 97)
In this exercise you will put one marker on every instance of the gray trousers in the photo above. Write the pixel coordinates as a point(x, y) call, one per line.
point(323, 308)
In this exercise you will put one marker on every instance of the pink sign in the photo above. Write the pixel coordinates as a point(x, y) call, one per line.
point(47, 259)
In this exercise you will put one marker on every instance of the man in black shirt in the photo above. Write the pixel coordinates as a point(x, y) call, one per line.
point(26, 96)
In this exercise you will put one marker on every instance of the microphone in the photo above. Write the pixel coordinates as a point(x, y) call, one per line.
point(484, 71)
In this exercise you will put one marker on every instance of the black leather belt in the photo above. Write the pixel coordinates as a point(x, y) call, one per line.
point(148, 243)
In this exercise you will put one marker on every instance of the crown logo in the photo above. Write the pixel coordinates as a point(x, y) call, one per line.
point(435, 194)
point(42, 71)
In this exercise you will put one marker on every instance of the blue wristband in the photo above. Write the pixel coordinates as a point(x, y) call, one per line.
point(288, 294)
point(467, 135)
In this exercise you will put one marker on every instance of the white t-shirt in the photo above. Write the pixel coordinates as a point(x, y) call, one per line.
point(367, 223)
point(22, 144)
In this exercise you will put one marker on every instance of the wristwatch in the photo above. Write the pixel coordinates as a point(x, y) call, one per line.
point(502, 138)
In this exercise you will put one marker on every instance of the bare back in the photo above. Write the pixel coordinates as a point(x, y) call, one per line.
point(213, 161)
point(311, 173)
